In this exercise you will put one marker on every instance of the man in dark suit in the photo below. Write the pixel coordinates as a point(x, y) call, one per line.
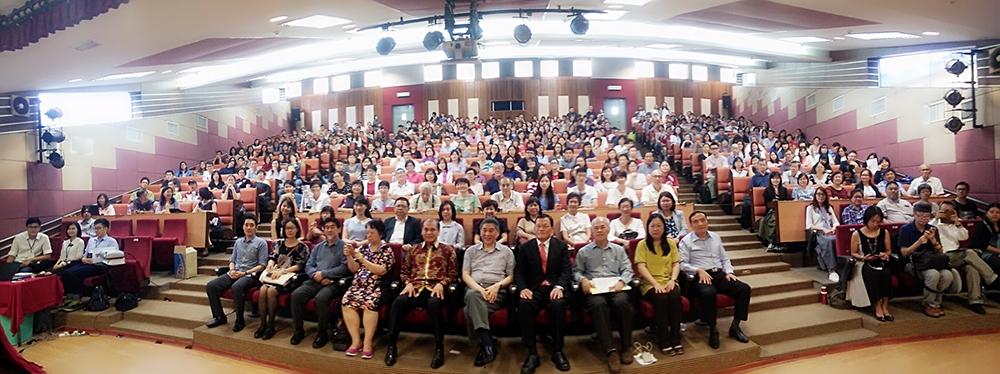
point(542, 276)
point(402, 228)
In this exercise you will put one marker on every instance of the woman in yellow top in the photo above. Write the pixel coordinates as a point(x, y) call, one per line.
point(658, 263)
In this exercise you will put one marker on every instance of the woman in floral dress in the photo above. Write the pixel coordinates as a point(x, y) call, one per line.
point(370, 263)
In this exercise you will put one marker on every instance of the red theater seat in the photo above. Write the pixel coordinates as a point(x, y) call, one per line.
point(225, 210)
point(120, 228)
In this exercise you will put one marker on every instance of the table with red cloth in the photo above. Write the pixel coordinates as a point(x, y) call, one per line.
point(24, 297)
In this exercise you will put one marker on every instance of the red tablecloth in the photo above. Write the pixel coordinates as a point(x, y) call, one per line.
point(24, 297)
point(10, 358)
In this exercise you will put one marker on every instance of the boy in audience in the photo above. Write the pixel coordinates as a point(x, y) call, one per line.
point(86, 222)
point(966, 208)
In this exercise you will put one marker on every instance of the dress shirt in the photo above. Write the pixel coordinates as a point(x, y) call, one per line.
point(697, 253)
point(898, 211)
point(512, 204)
point(406, 190)
point(24, 249)
point(588, 197)
point(575, 227)
point(647, 169)
point(614, 196)
point(650, 195)
point(852, 215)
point(328, 259)
point(601, 262)
point(950, 234)
point(488, 267)
point(936, 187)
point(398, 231)
point(249, 252)
point(87, 229)
point(98, 247)
point(354, 228)
point(427, 265)
point(451, 233)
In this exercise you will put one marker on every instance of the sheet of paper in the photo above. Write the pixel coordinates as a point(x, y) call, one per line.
point(872, 164)
point(604, 285)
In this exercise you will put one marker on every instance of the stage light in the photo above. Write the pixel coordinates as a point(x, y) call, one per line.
point(385, 45)
point(954, 124)
point(953, 97)
point(955, 67)
point(56, 160)
point(433, 40)
point(522, 34)
point(53, 136)
point(579, 25)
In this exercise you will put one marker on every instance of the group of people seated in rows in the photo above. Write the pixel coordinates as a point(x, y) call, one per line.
point(789, 168)
point(352, 262)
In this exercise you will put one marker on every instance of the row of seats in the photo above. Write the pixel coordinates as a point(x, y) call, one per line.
point(224, 208)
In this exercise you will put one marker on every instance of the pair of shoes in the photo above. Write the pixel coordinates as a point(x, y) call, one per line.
point(889, 318)
point(261, 330)
point(352, 351)
point(678, 350)
point(215, 322)
point(438, 359)
point(880, 318)
point(530, 364)
point(834, 277)
point(736, 332)
point(390, 355)
point(239, 325)
point(931, 311)
point(978, 308)
point(627, 359)
point(297, 337)
point(713, 338)
point(321, 340)
point(559, 359)
point(614, 362)
point(487, 353)
point(367, 355)
point(269, 333)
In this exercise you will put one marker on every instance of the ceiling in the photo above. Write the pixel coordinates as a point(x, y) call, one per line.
point(193, 43)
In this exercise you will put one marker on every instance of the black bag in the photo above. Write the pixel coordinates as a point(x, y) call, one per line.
point(847, 271)
point(725, 199)
point(126, 302)
point(704, 195)
point(928, 260)
point(98, 300)
point(628, 235)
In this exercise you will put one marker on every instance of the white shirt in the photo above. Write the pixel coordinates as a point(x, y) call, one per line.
point(24, 249)
point(617, 227)
point(315, 204)
point(406, 190)
point(575, 227)
point(636, 181)
point(950, 234)
point(614, 196)
point(72, 250)
point(512, 204)
point(934, 182)
point(588, 197)
point(397, 231)
point(900, 211)
point(650, 195)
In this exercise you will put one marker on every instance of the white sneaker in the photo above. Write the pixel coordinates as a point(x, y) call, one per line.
point(834, 277)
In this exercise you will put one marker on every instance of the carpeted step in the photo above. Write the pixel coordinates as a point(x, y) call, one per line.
point(737, 236)
point(193, 284)
point(155, 330)
point(207, 270)
point(752, 256)
point(778, 300)
point(770, 283)
point(817, 341)
point(761, 268)
point(743, 245)
point(726, 226)
point(796, 322)
point(215, 259)
point(168, 313)
point(191, 297)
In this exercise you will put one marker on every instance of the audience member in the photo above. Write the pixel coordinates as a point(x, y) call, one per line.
point(626, 228)
point(872, 248)
point(896, 210)
point(937, 189)
point(249, 257)
point(965, 208)
point(289, 257)
point(92, 263)
point(921, 243)
point(507, 199)
point(821, 222)
point(402, 228)
point(977, 272)
point(487, 271)
point(542, 274)
point(657, 260)
point(30, 249)
point(853, 213)
point(326, 266)
point(361, 302)
point(986, 237)
point(574, 226)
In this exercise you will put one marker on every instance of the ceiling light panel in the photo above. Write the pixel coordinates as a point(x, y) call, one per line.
point(277, 19)
point(126, 76)
point(805, 39)
point(627, 2)
point(882, 35)
point(318, 21)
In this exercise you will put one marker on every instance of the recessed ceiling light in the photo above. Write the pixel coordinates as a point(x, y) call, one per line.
point(805, 39)
point(126, 75)
point(610, 15)
point(662, 46)
point(627, 2)
point(318, 21)
point(76, 80)
point(882, 35)
point(615, 6)
point(351, 26)
point(931, 33)
point(838, 37)
point(166, 72)
point(278, 19)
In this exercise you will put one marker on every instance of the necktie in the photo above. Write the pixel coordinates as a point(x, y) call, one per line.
point(543, 254)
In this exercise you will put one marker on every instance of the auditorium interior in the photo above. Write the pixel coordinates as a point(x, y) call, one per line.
point(499, 186)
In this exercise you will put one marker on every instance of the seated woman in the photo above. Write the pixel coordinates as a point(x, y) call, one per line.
point(767, 230)
point(546, 195)
point(465, 201)
point(867, 185)
point(230, 191)
point(853, 214)
point(676, 223)
point(354, 227)
point(658, 262)
point(72, 248)
point(206, 203)
point(924, 193)
point(370, 263)
point(635, 180)
point(104, 207)
point(289, 257)
point(739, 168)
point(872, 247)
point(836, 190)
point(803, 191)
point(216, 183)
point(285, 211)
point(315, 234)
point(167, 202)
point(625, 228)
point(822, 222)
point(620, 191)
point(821, 177)
point(475, 184)
point(450, 232)
point(526, 224)
point(986, 237)
point(357, 192)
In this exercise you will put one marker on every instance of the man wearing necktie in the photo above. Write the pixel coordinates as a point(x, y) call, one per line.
point(427, 269)
point(542, 275)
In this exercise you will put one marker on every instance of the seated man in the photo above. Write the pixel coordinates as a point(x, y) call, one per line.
point(490, 211)
point(492, 185)
point(426, 200)
point(650, 194)
point(31, 249)
point(427, 268)
point(603, 259)
point(249, 257)
point(87, 221)
point(574, 225)
point(542, 275)
point(316, 199)
point(937, 189)
point(401, 187)
point(703, 256)
point(192, 194)
point(588, 194)
point(649, 164)
point(896, 209)
point(142, 205)
point(918, 239)
point(976, 270)
point(507, 199)
point(143, 189)
point(487, 270)
point(92, 263)
point(402, 228)
point(713, 162)
point(966, 208)
point(326, 265)
point(383, 201)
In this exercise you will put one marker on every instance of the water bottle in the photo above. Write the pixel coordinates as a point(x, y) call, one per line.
point(822, 294)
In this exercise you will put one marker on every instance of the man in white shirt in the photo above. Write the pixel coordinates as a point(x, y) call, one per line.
point(574, 225)
point(651, 194)
point(588, 194)
point(925, 177)
point(316, 200)
point(31, 248)
point(951, 232)
point(896, 210)
point(401, 187)
point(510, 201)
point(713, 162)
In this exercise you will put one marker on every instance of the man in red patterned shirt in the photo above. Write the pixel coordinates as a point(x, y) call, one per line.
point(427, 269)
